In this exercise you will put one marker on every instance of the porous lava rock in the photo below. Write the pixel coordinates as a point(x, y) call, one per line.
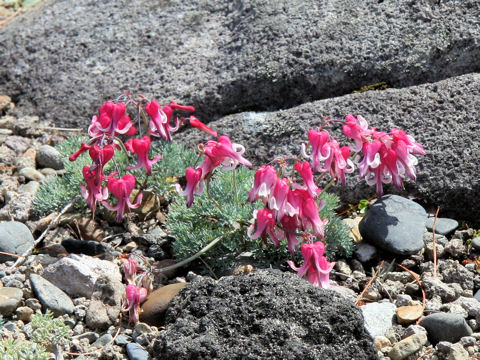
point(266, 314)
point(442, 116)
point(224, 56)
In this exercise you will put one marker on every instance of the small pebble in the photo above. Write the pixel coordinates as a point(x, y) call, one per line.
point(137, 352)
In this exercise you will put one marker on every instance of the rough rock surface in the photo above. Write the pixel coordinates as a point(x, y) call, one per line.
point(225, 56)
point(266, 314)
point(441, 116)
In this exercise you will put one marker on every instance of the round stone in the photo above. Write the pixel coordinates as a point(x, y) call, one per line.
point(395, 224)
point(49, 157)
point(9, 300)
point(445, 327)
point(409, 314)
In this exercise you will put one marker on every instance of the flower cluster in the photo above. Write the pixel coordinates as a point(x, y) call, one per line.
point(221, 152)
point(291, 209)
point(138, 287)
point(386, 157)
point(112, 121)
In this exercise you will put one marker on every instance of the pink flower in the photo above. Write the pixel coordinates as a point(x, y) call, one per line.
point(315, 266)
point(194, 185)
point(310, 218)
point(265, 225)
point(141, 148)
point(226, 153)
point(134, 297)
point(201, 126)
point(338, 162)
point(290, 225)
point(306, 172)
point(358, 131)
point(111, 120)
point(101, 155)
point(265, 179)
point(278, 198)
point(84, 147)
point(160, 118)
point(122, 188)
point(93, 192)
point(130, 270)
point(320, 152)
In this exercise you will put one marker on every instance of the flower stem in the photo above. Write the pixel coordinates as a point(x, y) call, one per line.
point(198, 254)
point(329, 184)
point(235, 189)
point(211, 197)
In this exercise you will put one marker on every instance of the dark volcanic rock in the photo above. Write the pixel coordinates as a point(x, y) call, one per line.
point(228, 56)
point(442, 116)
point(266, 314)
point(395, 224)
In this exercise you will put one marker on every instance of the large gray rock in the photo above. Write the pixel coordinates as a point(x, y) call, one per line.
point(395, 224)
point(226, 56)
point(266, 314)
point(441, 116)
point(15, 238)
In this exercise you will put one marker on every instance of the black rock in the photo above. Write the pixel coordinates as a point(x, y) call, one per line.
point(395, 224)
point(445, 327)
point(90, 247)
point(266, 314)
point(443, 226)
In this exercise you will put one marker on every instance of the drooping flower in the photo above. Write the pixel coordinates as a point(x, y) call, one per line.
point(194, 185)
point(265, 225)
point(305, 171)
point(134, 297)
point(141, 148)
point(94, 191)
point(316, 267)
point(112, 120)
point(265, 179)
point(290, 226)
point(122, 188)
point(358, 131)
point(130, 270)
point(338, 162)
point(161, 117)
point(310, 218)
point(278, 198)
point(84, 147)
point(320, 152)
point(201, 126)
point(226, 153)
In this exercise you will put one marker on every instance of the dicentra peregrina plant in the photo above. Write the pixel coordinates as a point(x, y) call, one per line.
point(289, 198)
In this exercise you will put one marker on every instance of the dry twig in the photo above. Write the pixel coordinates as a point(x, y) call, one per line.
point(22, 258)
point(435, 244)
point(417, 279)
point(369, 283)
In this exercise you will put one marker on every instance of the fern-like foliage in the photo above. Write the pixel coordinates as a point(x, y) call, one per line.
point(337, 239)
point(196, 227)
point(58, 191)
point(48, 330)
point(22, 350)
